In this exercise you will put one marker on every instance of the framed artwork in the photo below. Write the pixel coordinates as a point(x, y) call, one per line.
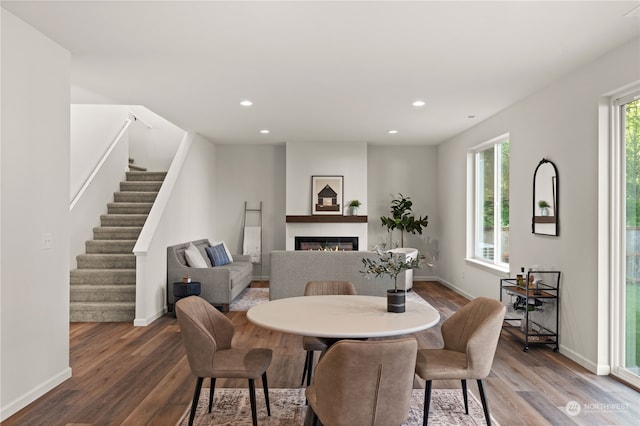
point(326, 195)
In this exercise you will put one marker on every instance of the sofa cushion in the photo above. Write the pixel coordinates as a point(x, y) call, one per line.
point(194, 258)
point(218, 255)
point(215, 243)
point(240, 273)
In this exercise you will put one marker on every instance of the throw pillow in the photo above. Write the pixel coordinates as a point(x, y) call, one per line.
point(218, 255)
point(225, 249)
point(194, 258)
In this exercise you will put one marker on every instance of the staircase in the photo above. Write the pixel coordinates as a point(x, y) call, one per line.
point(103, 288)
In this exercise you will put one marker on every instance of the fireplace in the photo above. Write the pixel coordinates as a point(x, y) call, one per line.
point(327, 243)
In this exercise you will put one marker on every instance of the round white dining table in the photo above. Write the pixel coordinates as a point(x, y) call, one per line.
point(342, 316)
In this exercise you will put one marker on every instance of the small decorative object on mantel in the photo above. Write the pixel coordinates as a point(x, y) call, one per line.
point(354, 204)
point(391, 264)
point(402, 218)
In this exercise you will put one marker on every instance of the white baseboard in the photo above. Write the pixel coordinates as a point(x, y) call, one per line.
point(456, 289)
point(599, 369)
point(143, 322)
point(26, 399)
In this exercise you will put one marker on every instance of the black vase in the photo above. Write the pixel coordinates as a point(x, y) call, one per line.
point(396, 301)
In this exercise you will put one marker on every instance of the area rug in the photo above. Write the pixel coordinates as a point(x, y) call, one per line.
point(248, 298)
point(252, 296)
point(231, 407)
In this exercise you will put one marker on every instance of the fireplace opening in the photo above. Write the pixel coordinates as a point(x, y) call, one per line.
point(327, 243)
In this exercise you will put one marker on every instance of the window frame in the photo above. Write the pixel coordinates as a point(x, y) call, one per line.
point(617, 237)
point(473, 214)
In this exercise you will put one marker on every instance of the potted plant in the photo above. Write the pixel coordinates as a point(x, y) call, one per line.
point(354, 204)
point(391, 264)
point(544, 208)
point(402, 218)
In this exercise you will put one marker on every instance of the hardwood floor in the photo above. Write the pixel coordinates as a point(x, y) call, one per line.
point(139, 376)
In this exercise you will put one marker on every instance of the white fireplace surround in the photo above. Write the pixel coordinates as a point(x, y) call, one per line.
point(327, 230)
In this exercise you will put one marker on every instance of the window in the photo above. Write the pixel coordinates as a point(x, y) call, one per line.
point(488, 239)
point(626, 237)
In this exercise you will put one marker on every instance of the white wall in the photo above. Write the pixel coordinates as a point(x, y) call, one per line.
point(412, 171)
point(184, 211)
point(342, 159)
point(34, 282)
point(560, 124)
point(251, 173)
point(93, 129)
point(153, 148)
point(338, 159)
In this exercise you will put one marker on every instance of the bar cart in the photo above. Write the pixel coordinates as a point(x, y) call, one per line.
point(533, 303)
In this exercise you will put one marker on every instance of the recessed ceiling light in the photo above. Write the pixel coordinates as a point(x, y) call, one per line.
point(471, 116)
point(246, 103)
point(392, 131)
point(418, 103)
point(265, 131)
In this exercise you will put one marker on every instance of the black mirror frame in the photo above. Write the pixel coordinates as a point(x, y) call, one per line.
point(556, 202)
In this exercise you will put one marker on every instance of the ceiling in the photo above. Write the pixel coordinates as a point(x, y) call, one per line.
point(332, 71)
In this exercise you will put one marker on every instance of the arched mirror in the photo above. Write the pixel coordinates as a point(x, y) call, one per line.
point(545, 199)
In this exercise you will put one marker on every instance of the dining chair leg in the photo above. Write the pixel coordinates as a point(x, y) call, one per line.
point(265, 387)
point(252, 399)
point(211, 389)
point(485, 404)
point(196, 397)
point(314, 418)
point(427, 402)
point(309, 366)
point(464, 396)
point(304, 372)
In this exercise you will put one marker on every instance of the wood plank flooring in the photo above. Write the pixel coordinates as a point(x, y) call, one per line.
point(125, 375)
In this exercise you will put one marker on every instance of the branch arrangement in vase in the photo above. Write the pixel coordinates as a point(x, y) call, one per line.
point(389, 264)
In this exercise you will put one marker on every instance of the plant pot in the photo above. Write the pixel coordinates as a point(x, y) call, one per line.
point(354, 211)
point(544, 211)
point(396, 301)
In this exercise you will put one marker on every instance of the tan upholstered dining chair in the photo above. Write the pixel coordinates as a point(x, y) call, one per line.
point(207, 334)
point(470, 340)
point(364, 383)
point(312, 344)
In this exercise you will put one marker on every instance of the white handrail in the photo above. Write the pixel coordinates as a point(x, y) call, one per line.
point(96, 169)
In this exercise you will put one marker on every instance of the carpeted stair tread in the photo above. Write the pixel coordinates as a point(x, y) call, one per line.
point(103, 293)
point(145, 176)
point(106, 261)
point(102, 311)
point(140, 186)
point(135, 196)
point(137, 168)
point(116, 232)
point(129, 208)
point(109, 246)
point(102, 276)
point(124, 220)
point(88, 306)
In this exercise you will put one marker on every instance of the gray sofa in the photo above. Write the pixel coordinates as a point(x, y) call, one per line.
point(291, 270)
point(219, 284)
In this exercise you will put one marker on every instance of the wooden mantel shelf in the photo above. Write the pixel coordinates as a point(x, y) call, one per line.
point(327, 219)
